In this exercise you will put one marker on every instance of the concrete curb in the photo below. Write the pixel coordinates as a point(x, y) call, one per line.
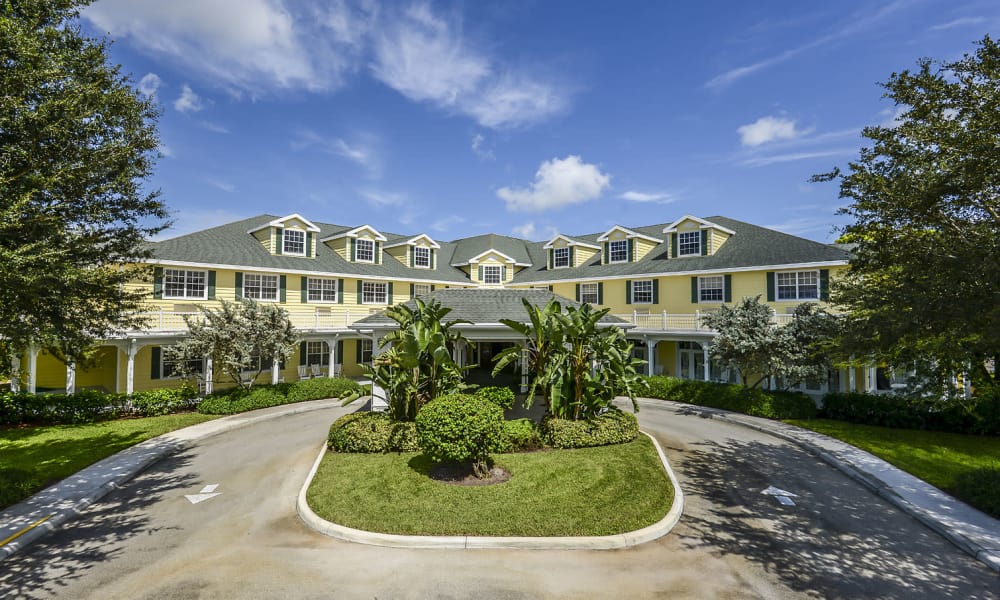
point(32, 519)
point(607, 542)
point(953, 532)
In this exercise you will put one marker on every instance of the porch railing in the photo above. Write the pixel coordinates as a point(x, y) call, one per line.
point(664, 321)
point(302, 318)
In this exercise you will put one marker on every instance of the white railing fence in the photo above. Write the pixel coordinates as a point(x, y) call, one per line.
point(302, 318)
point(664, 321)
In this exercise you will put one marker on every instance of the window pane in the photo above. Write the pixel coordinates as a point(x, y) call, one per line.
point(560, 257)
point(619, 251)
point(365, 250)
point(422, 257)
point(642, 292)
point(260, 287)
point(787, 288)
point(374, 293)
point(173, 283)
point(689, 243)
point(710, 289)
point(808, 285)
point(588, 293)
point(293, 242)
point(317, 353)
point(322, 290)
point(421, 289)
point(491, 275)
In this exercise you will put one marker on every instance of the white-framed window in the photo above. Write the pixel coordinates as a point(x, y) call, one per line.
point(798, 285)
point(260, 287)
point(374, 292)
point(317, 353)
point(178, 283)
point(168, 368)
point(589, 293)
point(491, 274)
point(293, 242)
point(364, 250)
point(422, 257)
point(618, 251)
point(421, 289)
point(711, 289)
point(366, 351)
point(642, 291)
point(689, 243)
point(321, 290)
point(560, 258)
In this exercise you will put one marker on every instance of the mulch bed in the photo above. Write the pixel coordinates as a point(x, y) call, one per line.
point(461, 474)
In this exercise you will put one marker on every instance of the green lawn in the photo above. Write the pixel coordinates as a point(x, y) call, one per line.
point(589, 491)
point(966, 466)
point(34, 457)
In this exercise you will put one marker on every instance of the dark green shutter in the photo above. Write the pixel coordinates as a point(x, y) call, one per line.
point(305, 290)
point(412, 295)
point(378, 253)
point(694, 290)
point(552, 258)
point(631, 252)
point(413, 256)
point(361, 288)
point(628, 291)
point(302, 353)
point(600, 292)
point(604, 255)
point(340, 352)
point(480, 273)
point(154, 366)
point(158, 282)
point(703, 234)
point(278, 246)
point(503, 274)
point(432, 287)
point(340, 291)
point(727, 287)
point(239, 286)
point(673, 245)
point(357, 352)
point(578, 292)
point(309, 244)
point(388, 293)
point(656, 291)
point(824, 284)
point(354, 250)
point(550, 288)
point(282, 285)
point(770, 286)
point(211, 285)
point(571, 263)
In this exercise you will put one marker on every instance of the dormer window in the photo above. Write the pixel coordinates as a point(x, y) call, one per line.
point(560, 257)
point(364, 251)
point(492, 274)
point(293, 242)
point(422, 257)
point(618, 250)
point(689, 243)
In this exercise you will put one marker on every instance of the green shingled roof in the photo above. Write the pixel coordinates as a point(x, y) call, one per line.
point(485, 305)
point(467, 248)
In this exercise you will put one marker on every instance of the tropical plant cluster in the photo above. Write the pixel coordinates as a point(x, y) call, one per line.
point(977, 415)
point(237, 400)
point(770, 404)
point(612, 427)
point(89, 406)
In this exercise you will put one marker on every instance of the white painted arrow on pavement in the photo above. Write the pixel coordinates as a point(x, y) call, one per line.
point(206, 492)
point(780, 495)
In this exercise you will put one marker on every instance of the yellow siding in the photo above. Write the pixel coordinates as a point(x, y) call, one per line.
point(642, 248)
point(716, 240)
point(400, 253)
point(583, 255)
point(491, 259)
point(341, 246)
point(265, 237)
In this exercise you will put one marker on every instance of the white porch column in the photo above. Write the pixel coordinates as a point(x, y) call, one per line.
point(707, 366)
point(851, 372)
point(524, 371)
point(209, 375)
point(650, 357)
point(32, 367)
point(274, 371)
point(331, 344)
point(70, 377)
point(130, 351)
point(15, 372)
point(872, 380)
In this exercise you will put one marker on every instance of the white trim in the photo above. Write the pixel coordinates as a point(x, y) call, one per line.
point(631, 292)
point(629, 234)
point(280, 222)
point(500, 274)
point(701, 242)
point(248, 268)
point(305, 242)
point(569, 242)
point(362, 260)
point(475, 259)
point(430, 257)
point(336, 290)
point(413, 241)
point(388, 298)
point(723, 288)
point(277, 286)
point(592, 277)
point(568, 256)
point(624, 260)
point(354, 233)
point(703, 224)
point(819, 286)
point(163, 289)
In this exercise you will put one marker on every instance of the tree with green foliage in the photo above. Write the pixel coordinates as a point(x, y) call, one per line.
point(77, 144)
point(925, 199)
point(240, 337)
point(579, 365)
point(418, 366)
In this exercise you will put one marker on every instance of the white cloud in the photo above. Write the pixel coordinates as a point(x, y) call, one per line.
point(188, 101)
point(427, 59)
point(214, 127)
point(149, 83)
point(380, 198)
point(762, 161)
point(529, 231)
point(892, 117)
point(361, 151)
point(558, 183)
point(768, 129)
point(225, 186)
point(650, 197)
point(446, 223)
point(166, 150)
point(960, 22)
point(479, 148)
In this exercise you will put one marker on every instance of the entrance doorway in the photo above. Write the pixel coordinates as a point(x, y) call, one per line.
point(482, 354)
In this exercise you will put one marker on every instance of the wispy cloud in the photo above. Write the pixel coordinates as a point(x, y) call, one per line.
point(648, 197)
point(480, 149)
point(361, 151)
point(530, 231)
point(188, 101)
point(762, 161)
point(856, 23)
point(558, 183)
point(805, 226)
point(214, 127)
point(149, 83)
point(446, 223)
point(960, 22)
point(225, 186)
point(769, 129)
point(382, 198)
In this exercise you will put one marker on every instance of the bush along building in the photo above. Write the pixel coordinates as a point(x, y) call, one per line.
point(335, 280)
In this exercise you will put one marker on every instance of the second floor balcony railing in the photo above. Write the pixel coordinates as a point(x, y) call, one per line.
point(664, 321)
point(302, 318)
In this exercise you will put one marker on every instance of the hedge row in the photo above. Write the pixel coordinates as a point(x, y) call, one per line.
point(755, 402)
point(613, 427)
point(238, 400)
point(978, 415)
point(89, 406)
point(370, 432)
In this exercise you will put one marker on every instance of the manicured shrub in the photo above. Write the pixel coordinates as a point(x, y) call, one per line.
point(461, 428)
point(978, 415)
point(155, 403)
point(501, 396)
point(322, 387)
point(613, 427)
point(756, 402)
point(368, 432)
point(89, 406)
point(237, 400)
point(522, 434)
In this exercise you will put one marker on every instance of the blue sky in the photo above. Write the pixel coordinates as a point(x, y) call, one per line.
point(523, 117)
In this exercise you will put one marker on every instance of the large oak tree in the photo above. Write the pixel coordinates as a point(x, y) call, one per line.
point(77, 144)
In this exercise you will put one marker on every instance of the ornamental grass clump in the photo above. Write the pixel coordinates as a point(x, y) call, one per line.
point(463, 429)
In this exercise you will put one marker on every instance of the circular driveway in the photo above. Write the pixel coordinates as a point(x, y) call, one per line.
point(838, 540)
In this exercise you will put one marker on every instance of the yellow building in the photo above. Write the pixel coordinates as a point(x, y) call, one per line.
point(660, 279)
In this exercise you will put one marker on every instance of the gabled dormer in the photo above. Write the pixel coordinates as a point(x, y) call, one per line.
point(288, 236)
point(564, 252)
point(623, 245)
point(361, 244)
point(418, 252)
point(692, 236)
